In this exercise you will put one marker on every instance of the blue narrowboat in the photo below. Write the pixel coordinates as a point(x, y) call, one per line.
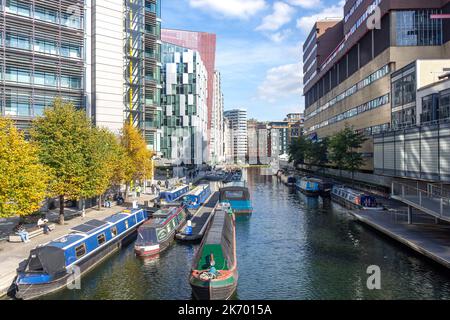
point(238, 196)
point(352, 199)
point(55, 265)
point(309, 186)
point(196, 197)
point(173, 195)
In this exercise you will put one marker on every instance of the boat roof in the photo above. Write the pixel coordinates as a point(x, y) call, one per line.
point(312, 179)
point(353, 192)
point(215, 231)
point(160, 217)
point(198, 190)
point(90, 227)
point(241, 184)
point(177, 189)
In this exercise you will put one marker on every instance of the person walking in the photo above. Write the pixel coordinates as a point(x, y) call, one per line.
point(153, 189)
point(167, 184)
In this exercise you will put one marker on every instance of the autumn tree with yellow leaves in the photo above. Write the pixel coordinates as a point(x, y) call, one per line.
point(138, 165)
point(23, 179)
point(82, 158)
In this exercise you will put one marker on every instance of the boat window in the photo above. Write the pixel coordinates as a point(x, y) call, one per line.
point(126, 224)
point(114, 232)
point(80, 251)
point(234, 194)
point(101, 239)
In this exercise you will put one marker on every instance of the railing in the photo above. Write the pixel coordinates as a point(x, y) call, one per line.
point(434, 200)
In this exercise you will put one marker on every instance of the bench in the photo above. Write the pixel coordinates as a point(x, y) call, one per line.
point(32, 233)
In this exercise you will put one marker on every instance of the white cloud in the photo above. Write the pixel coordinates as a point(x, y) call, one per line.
point(306, 23)
point(241, 9)
point(281, 82)
point(280, 36)
point(308, 4)
point(282, 14)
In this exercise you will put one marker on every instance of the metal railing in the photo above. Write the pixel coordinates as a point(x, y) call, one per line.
point(434, 200)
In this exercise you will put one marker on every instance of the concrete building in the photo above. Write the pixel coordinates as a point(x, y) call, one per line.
point(205, 44)
point(184, 105)
point(217, 125)
point(228, 145)
point(238, 126)
point(350, 85)
point(259, 143)
point(76, 50)
point(282, 128)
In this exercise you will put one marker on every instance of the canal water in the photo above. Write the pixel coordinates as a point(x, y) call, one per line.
point(292, 247)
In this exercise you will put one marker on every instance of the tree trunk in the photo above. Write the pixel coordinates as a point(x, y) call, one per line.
point(61, 209)
point(127, 186)
point(99, 202)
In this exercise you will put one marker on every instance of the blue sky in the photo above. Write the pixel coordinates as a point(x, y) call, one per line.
point(258, 47)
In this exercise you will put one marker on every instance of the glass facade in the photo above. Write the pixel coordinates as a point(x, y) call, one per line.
point(416, 28)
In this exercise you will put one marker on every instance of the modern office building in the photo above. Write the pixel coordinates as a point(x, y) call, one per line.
point(217, 124)
point(228, 144)
point(205, 44)
point(101, 55)
point(238, 125)
point(184, 106)
point(419, 150)
point(350, 85)
point(42, 56)
point(283, 136)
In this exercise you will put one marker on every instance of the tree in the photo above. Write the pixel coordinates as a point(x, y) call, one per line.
point(139, 160)
point(344, 148)
point(23, 180)
point(298, 149)
point(316, 153)
point(103, 154)
point(62, 136)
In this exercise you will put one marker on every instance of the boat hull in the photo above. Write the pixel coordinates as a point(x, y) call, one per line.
point(215, 289)
point(34, 291)
point(309, 193)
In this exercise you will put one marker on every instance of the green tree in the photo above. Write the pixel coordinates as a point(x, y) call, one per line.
point(344, 148)
point(23, 180)
point(63, 136)
point(298, 149)
point(316, 153)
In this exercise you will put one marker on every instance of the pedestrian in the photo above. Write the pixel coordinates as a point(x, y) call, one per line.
point(167, 184)
point(158, 190)
point(22, 233)
point(153, 188)
point(43, 223)
point(138, 191)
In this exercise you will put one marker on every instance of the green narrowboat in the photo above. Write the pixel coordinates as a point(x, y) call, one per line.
point(214, 273)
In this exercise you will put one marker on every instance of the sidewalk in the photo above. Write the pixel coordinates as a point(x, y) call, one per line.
point(11, 254)
point(423, 236)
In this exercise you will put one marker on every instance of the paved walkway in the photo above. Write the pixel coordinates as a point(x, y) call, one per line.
point(423, 236)
point(11, 254)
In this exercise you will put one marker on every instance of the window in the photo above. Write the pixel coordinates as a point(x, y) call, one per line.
point(114, 232)
point(101, 239)
point(80, 251)
point(45, 15)
point(416, 28)
point(444, 103)
point(18, 7)
point(126, 224)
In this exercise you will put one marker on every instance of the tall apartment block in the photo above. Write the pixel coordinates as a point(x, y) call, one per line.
point(42, 56)
point(348, 64)
point(217, 122)
point(184, 105)
point(205, 44)
point(101, 55)
point(238, 125)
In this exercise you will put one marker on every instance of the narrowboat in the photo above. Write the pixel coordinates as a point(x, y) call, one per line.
point(352, 199)
point(156, 235)
point(196, 197)
point(238, 196)
point(51, 267)
point(309, 186)
point(214, 273)
point(170, 196)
